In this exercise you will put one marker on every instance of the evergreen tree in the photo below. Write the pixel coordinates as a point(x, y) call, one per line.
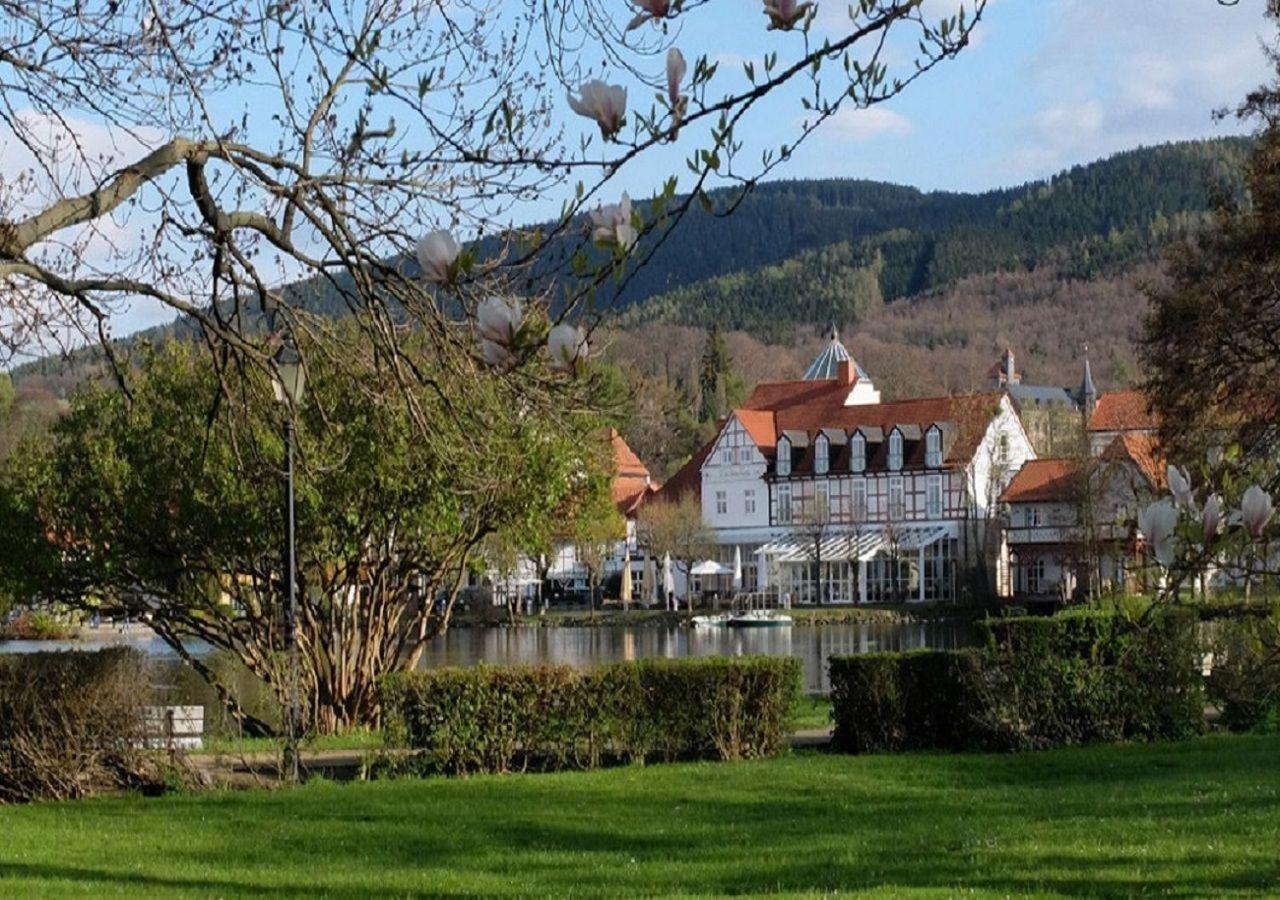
point(716, 365)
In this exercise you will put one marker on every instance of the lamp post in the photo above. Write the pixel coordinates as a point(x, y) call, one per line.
point(287, 384)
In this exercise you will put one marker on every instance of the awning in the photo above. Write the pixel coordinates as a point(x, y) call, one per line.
point(848, 546)
point(711, 567)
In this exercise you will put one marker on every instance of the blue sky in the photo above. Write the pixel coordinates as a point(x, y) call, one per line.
point(1047, 84)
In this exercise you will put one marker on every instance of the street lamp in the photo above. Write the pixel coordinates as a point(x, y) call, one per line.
point(287, 383)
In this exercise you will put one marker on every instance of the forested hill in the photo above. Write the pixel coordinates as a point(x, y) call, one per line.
point(810, 252)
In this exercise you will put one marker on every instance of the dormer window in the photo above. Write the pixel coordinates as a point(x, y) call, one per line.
point(857, 453)
point(895, 450)
point(821, 455)
point(933, 448)
point(784, 456)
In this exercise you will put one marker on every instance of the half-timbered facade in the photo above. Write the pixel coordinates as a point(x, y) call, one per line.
point(827, 494)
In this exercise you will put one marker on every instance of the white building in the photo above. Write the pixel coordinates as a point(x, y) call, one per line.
point(828, 494)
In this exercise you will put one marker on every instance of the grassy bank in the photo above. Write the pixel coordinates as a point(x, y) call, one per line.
point(803, 615)
point(1195, 819)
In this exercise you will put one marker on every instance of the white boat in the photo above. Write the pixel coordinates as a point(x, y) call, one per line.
point(710, 621)
point(758, 618)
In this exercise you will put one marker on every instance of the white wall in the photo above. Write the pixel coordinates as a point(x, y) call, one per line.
point(734, 467)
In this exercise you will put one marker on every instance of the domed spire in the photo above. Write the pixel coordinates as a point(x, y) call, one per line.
point(827, 363)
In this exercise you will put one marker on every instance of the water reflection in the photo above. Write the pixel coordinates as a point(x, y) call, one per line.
point(588, 646)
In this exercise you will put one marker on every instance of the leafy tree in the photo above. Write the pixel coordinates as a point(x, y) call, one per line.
point(168, 503)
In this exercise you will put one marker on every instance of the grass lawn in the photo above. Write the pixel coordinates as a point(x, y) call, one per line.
point(1193, 819)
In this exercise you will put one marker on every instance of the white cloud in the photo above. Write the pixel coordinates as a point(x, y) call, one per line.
point(858, 125)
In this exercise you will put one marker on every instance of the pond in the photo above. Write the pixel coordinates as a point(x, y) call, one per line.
point(583, 646)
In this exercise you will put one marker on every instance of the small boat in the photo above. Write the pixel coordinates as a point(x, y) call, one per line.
point(758, 618)
point(710, 621)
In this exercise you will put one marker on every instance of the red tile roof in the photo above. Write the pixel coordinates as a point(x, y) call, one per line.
point(631, 481)
point(1144, 451)
point(808, 406)
point(1123, 411)
point(1043, 480)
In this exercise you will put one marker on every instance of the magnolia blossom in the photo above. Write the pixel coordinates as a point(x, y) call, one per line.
point(1157, 522)
point(649, 9)
point(1214, 456)
point(437, 252)
point(1212, 518)
point(497, 324)
point(611, 224)
point(676, 69)
point(567, 345)
point(1255, 511)
point(784, 14)
point(605, 103)
point(1179, 484)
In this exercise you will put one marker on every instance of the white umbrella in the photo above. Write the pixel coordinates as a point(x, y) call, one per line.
point(762, 570)
point(737, 569)
point(625, 590)
point(668, 580)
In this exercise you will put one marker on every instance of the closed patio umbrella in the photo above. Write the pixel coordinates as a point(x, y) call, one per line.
point(625, 590)
point(737, 570)
point(650, 576)
point(668, 581)
point(762, 570)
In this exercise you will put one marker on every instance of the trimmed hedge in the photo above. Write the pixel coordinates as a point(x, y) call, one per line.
point(71, 724)
point(1035, 683)
point(500, 719)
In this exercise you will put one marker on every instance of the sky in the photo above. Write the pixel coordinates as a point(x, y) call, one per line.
point(1046, 84)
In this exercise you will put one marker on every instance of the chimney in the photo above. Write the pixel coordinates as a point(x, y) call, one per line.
point(845, 372)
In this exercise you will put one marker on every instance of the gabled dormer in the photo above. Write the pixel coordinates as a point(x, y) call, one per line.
point(858, 451)
point(933, 437)
point(896, 453)
point(821, 454)
point(783, 464)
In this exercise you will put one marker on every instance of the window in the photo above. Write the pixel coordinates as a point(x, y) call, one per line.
point(1036, 576)
point(1002, 449)
point(722, 503)
point(857, 453)
point(895, 451)
point(744, 455)
point(784, 456)
point(821, 504)
point(933, 497)
point(784, 504)
point(1034, 516)
point(933, 448)
point(897, 502)
point(821, 455)
point(749, 501)
point(859, 500)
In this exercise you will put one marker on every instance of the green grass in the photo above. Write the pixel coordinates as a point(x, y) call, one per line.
point(812, 712)
point(360, 739)
point(1194, 819)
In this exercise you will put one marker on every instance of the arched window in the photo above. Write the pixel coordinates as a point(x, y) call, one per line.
point(821, 455)
point(784, 456)
point(857, 453)
point(933, 448)
point(895, 450)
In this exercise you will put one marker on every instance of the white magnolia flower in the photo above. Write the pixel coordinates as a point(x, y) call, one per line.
point(1179, 484)
point(567, 345)
point(611, 224)
point(676, 69)
point(498, 322)
point(1255, 511)
point(1214, 456)
point(649, 9)
point(1157, 522)
point(605, 103)
point(784, 14)
point(437, 252)
point(1212, 518)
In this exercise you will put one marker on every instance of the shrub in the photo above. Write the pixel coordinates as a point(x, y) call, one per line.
point(71, 724)
point(1035, 683)
point(499, 719)
point(1245, 680)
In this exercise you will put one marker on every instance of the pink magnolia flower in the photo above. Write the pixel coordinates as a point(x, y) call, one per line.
point(605, 103)
point(1179, 484)
point(1212, 518)
point(498, 321)
point(1157, 522)
point(567, 346)
point(437, 252)
point(611, 224)
point(1255, 511)
point(676, 69)
point(784, 14)
point(649, 9)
